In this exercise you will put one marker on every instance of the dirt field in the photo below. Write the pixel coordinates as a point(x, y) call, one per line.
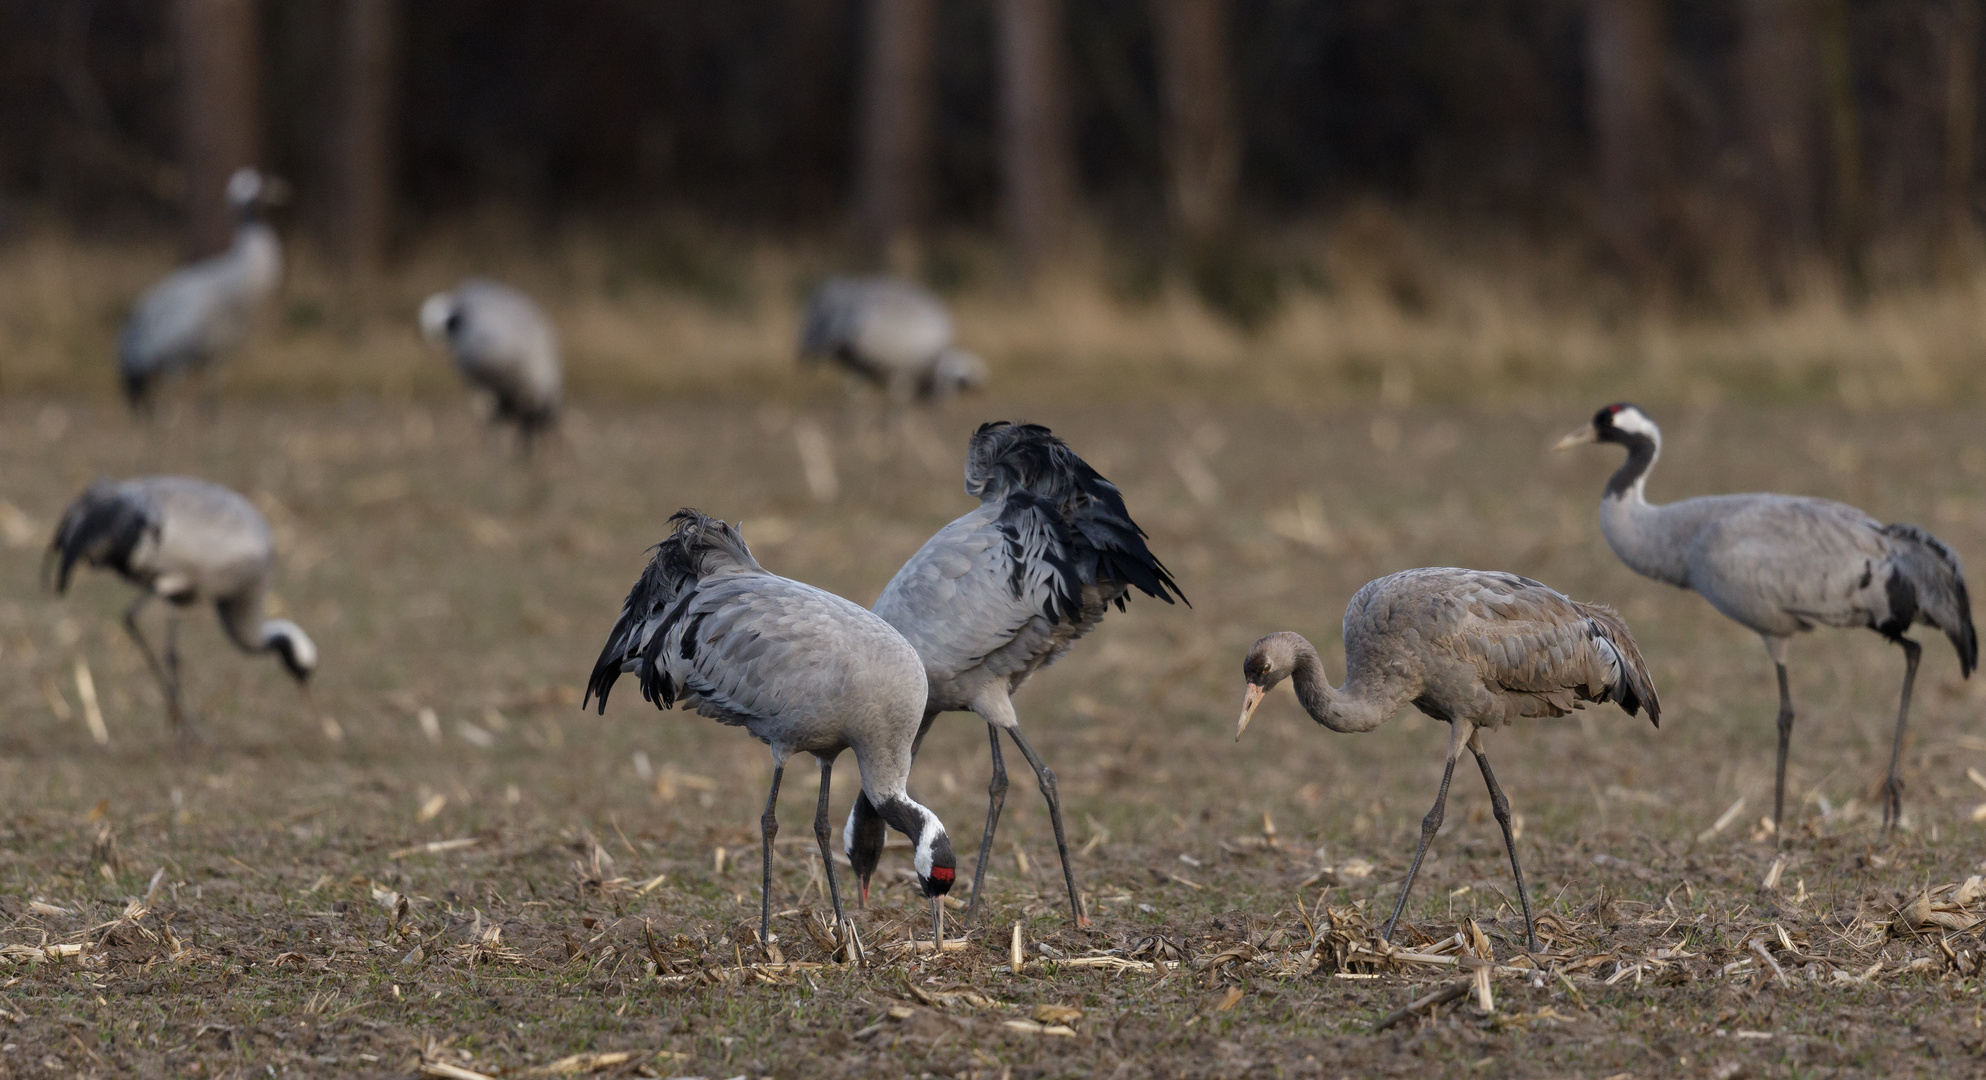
point(234, 908)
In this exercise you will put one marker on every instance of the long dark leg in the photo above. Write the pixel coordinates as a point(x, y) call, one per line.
point(168, 683)
point(1893, 789)
point(996, 800)
point(1501, 806)
point(768, 828)
point(1785, 740)
point(1430, 825)
point(1047, 777)
point(821, 833)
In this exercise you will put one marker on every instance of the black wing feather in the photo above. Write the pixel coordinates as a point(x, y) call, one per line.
point(699, 545)
point(102, 527)
point(1026, 462)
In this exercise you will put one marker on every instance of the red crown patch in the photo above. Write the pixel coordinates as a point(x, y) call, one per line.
point(942, 873)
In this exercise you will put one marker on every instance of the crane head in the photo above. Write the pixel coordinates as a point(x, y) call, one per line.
point(1269, 661)
point(1616, 423)
point(249, 188)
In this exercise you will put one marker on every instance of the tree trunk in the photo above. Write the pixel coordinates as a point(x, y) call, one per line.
point(361, 197)
point(1037, 175)
point(1625, 57)
point(1847, 213)
point(1780, 113)
point(1202, 152)
point(1961, 116)
point(898, 83)
point(220, 69)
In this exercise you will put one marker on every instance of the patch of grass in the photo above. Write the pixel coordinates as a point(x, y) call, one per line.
point(437, 573)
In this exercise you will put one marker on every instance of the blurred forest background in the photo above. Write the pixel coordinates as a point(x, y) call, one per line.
point(1400, 198)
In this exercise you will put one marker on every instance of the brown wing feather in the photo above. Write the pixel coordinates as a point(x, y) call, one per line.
point(1547, 654)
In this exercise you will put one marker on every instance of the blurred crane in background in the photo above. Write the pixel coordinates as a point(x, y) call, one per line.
point(503, 343)
point(891, 333)
point(202, 312)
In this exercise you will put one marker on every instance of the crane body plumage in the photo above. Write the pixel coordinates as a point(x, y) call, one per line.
point(501, 342)
point(1475, 649)
point(1008, 588)
point(204, 311)
point(1781, 565)
point(801, 669)
point(893, 334)
point(185, 541)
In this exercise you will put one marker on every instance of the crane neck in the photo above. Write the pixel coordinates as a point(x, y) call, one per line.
point(1629, 482)
point(1360, 705)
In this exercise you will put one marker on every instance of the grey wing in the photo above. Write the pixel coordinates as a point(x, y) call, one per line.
point(506, 343)
point(181, 320)
point(1780, 565)
point(880, 324)
point(210, 538)
point(758, 647)
point(976, 591)
point(1546, 652)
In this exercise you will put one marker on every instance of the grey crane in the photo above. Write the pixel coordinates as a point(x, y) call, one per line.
point(893, 334)
point(1004, 591)
point(802, 669)
point(501, 342)
point(183, 541)
point(202, 312)
point(1780, 565)
point(1477, 649)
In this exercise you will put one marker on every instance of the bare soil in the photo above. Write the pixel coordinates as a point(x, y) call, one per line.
point(233, 906)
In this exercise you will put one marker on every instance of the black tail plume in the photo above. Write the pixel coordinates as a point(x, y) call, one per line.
point(1105, 545)
point(697, 546)
point(102, 527)
point(1933, 571)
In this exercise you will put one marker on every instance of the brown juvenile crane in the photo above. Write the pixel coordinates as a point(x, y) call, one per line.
point(1474, 648)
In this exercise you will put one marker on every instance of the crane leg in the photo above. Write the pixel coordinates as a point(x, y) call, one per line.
point(1047, 777)
point(821, 833)
point(996, 800)
point(1785, 741)
point(768, 828)
point(1501, 806)
point(1893, 788)
point(168, 679)
point(1430, 825)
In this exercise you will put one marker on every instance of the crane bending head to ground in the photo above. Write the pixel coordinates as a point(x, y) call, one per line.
point(183, 541)
point(892, 333)
point(1780, 565)
point(801, 669)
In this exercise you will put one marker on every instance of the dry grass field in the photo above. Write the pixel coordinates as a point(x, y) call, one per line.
point(479, 877)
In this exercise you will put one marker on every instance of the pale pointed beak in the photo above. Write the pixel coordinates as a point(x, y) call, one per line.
point(937, 924)
point(1581, 437)
point(862, 899)
point(1249, 700)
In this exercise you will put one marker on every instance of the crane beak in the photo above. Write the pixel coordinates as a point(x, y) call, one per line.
point(1581, 437)
point(1249, 700)
point(863, 900)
